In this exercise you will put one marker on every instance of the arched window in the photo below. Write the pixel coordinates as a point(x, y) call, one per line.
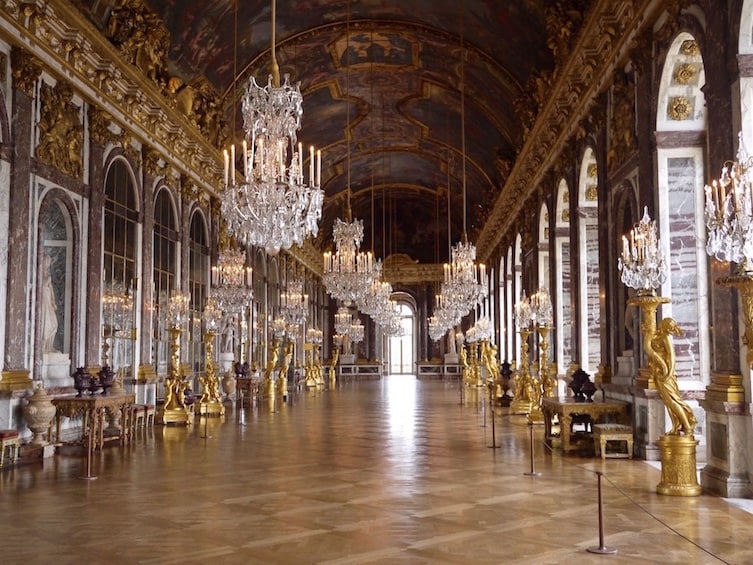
point(165, 254)
point(563, 316)
point(589, 308)
point(198, 271)
point(120, 236)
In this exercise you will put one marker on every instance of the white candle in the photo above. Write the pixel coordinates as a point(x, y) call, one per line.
point(319, 168)
point(311, 165)
point(226, 158)
point(232, 163)
point(245, 160)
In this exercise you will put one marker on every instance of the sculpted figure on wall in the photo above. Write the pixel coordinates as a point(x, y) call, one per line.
point(48, 310)
point(61, 131)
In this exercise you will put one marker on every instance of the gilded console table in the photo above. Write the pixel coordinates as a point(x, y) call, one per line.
point(93, 411)
point(565, 408)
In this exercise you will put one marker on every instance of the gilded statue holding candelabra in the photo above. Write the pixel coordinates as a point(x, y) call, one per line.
point(663, 367)
point(175, 410)
point(282, 378)
point(466, 374)
point(333, 367)
point(522, 401)
point(272, 359)
point(210, 403)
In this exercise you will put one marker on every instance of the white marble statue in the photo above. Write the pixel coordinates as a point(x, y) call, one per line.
point(48, 317)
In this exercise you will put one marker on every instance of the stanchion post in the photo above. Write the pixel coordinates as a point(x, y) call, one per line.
point(206, 426)
point(494, 437)
point(532, 472)
point(602, 549)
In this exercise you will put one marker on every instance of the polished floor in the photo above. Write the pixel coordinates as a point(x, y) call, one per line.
point(387, 472)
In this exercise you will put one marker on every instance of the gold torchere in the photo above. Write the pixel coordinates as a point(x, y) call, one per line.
point(308, 365)
point(317, 366)
point(272, 358)
point(521, 402)
point(548, 383)
point(648, 302)
point(174, 410)
point(743, 282)
point(282, 377)
point(476, 365)
point(678, 446)
point(333, 368)
point(210, 403)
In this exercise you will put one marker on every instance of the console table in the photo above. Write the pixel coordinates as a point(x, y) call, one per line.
point(93, 410)
point(566, 408)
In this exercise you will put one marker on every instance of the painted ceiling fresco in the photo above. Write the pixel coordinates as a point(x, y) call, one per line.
point(382, 97)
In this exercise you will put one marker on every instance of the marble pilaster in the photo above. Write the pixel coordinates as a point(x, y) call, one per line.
point(17, 327)
point(93, 339)
point(648, 422)
point(147, 264)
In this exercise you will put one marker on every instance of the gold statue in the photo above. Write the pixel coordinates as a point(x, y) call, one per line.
point(464, 363)
point(662, 363)
point(282, 378)
point(333, 366)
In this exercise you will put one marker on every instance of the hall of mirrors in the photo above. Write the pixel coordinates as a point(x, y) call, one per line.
point(110, 215)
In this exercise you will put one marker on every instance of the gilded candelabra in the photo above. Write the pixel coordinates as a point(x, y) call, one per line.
point(648, 303)
point(548, 382)
point(210, 403)
point(174, 410)
point(272, 359)
point(282, 377)
point(521, 402)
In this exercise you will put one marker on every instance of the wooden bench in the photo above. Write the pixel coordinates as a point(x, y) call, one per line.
point(612, 432)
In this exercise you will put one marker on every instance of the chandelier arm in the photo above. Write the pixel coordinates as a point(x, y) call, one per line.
point(275, 66)
point(462, 115)
point(348, 212)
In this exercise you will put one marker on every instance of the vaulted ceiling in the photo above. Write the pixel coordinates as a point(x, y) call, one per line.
point(381, 81)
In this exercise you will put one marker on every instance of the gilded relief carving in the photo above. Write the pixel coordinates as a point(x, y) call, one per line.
point(99, 126)
point(686, 73)
point(61, 131)
point(621, 134)
point(690, 47)
point(151, 162)
point(592, 193)
point(679, 108)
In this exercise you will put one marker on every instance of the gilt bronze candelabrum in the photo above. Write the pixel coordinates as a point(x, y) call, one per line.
point(521, 402)
point(210, 403)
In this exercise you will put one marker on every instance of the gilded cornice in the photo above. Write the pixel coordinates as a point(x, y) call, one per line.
point(413, 273)
point(71, 47)
point(605, 40)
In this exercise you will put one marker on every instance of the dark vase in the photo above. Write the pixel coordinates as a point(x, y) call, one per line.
point(588, 389)
point(94, 385)
point(188, 397)
point(106, 377)
point(81, 380)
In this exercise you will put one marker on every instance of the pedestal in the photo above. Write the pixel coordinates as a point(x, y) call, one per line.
point(56, 370)
point(625, 368)
point(451, 358)
point(226, 360)
point(347, 359)
point(678, 472)
point(648, 422)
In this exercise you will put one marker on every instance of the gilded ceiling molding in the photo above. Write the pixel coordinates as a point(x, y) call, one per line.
point(598, 54)
point(73, 47)
point(26, 69)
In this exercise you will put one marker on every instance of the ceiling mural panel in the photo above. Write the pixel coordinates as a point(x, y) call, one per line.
point(391, 69)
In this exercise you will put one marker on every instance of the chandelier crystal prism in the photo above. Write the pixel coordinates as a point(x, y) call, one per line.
point(274, 206)
point(232, 281)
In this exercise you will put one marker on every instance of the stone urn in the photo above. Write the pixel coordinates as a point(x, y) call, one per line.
point(229, 385)
point(39, 412)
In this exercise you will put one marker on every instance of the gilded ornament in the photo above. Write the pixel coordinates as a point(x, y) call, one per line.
point(566, 216)
point(679, 108)
point(61, 132)
point(592, 193)
point(151, 162)
point(685, 73)
point(690, 47)
point(566, 196)
point(592, 171)
point(25, 70)
point(99, 126)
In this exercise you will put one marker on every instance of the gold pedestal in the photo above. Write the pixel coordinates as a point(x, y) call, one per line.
point(211, 408)
point(678, 466)
point(210, 403)
point(176, 416)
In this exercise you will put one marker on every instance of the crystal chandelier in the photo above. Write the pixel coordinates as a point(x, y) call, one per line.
point(274, 206)
point(294, 303)
point(232, 281)
point(729, 211)
point(541, 308)
point(315, 336)
point(465, 284)
point(523, 314)
point(483, 328)
point(177, 309)
point(117, 308)
point(348, 272)
point(356, 331)
point(343, 320)
point(642, 262)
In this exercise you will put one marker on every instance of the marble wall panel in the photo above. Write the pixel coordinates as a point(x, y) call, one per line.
point(682, 261)
point(566, 312)
point(593, 310)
